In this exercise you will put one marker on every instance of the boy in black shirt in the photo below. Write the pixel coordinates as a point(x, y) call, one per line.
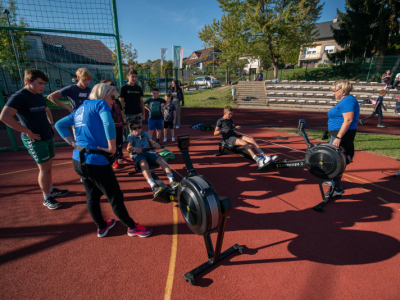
point(226, 127)
point(36, 130)
point(131, 98)
point(377, 110)
point(155, 116)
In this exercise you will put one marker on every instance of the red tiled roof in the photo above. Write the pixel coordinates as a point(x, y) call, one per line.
point(201, 54)
point(92, 49)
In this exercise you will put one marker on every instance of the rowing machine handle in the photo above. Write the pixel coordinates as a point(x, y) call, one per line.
point(302, 126)
point(146, 149)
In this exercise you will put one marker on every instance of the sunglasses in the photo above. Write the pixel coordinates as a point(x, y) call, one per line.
point(113, 97)
point(337, 90)
point(138, 127)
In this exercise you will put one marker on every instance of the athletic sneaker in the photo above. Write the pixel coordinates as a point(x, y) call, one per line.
point(380, 125)
point(362, 122)
point(103, 232)
point(59, 193)
point(337, 192)
point(327, 183)
point(267, 160)
point(51, 203)
point(123, 160)
point(174, 183)
point(156, 189)
point(140, 230)
point(177, 127)
point(260, 161)
point(165, 139)
point(274, 157)
point(115, 165)
point(173, 139)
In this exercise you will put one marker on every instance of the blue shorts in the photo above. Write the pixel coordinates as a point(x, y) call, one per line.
point(155, 124)
point(149, 156)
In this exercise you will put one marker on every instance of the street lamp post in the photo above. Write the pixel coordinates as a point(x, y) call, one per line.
point(7, 13)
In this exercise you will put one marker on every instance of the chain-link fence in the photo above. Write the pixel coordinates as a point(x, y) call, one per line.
point(56, 37)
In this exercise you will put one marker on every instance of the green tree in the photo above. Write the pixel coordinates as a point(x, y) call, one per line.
point(7, 56)
point(274, 28)
point(128, 56)
point(367, 27)
point(227, 36)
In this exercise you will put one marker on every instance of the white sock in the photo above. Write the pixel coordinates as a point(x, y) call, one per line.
point(46, 196)
point(170, 177)
point(151, 182)
point(51, 187)
point(256, 157)
point(262, 154)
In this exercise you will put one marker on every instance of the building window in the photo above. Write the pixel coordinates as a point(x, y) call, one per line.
point(312, 50)
point(329, 49)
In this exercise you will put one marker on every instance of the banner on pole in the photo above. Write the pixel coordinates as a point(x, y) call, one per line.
point(181, 61)
point(177, 56)
point(163, 54)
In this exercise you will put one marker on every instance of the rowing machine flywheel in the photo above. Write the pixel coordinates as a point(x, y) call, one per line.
point(199, 204)
point(325, 161)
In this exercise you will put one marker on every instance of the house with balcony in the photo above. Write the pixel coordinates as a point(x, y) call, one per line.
point(201, 58)
point(311, 57)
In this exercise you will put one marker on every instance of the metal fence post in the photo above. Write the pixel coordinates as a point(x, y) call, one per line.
point(372, 58)
point(9, 130)
point(117, 42)
point(166, 82)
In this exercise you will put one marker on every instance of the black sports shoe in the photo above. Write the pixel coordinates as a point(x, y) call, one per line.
point(174, 183)
point(156, 189)
point(335, 193)
point(51, 203)
point(59, 193)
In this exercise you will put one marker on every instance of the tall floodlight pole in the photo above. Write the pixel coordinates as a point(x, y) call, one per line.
point(7, 13)
point(213, 58)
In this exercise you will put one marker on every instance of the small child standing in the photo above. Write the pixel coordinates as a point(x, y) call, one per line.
point(169, 112)
point(156, 117)
point(397, 108)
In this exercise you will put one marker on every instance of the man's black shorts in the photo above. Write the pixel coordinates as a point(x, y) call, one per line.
point(169, 125)
point(231, 139)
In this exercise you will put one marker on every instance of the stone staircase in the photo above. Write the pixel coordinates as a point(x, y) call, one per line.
point(251, 93)
point(307, 95)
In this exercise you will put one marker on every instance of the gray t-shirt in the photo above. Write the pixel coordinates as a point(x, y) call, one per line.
point(139, 141)
point(75, 94)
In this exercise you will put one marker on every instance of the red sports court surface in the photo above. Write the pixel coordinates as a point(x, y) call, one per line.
point(351, 251)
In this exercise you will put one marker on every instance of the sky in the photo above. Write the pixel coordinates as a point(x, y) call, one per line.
point(154, 24)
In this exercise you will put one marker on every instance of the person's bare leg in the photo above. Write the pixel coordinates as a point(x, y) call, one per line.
point(240, 142)
point(158, 133)
point(163, 165)
point(172, 132)
point(165, 132)
point(145, 169)
point(253, 143)
point(44, 177)
point(151, 133)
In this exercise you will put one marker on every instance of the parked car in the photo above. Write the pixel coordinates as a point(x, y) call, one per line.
point(206, 81)
point(160, 82)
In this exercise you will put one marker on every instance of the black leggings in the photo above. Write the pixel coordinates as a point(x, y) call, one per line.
point(377, 112)
point(100, 181)
point(120, 140)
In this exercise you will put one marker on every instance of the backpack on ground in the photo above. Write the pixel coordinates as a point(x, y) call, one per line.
point(206, 128)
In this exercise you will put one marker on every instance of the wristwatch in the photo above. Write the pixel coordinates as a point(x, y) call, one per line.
point(52, 123)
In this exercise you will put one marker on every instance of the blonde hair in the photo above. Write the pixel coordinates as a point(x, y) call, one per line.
point(343, 85)
point(83, 73)
point(228, 109)
point(101, 90)
point(382, 93)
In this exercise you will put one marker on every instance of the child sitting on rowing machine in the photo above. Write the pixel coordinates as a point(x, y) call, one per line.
point(137, 141)
point(226, 127)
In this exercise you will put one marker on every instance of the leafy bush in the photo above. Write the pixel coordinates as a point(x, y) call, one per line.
point(320, 65)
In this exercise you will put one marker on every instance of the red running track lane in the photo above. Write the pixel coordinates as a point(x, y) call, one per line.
point(351, 251)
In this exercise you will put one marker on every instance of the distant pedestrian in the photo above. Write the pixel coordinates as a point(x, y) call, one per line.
point(387, 79)
point(177, 95)
point(169, 112)
point(396, 81)
point(260, 76)
point(397, 108)
point(212, 80)
point(377, 110)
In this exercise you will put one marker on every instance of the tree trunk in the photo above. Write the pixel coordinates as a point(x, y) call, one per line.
point(275, 64)
point(226, 76)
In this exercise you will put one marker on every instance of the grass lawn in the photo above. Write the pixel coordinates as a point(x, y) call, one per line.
point(388, 145)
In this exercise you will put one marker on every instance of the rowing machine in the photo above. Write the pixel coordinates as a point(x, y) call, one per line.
point(203, 210)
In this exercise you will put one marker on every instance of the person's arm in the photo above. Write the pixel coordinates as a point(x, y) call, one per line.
point(62, 128)
point(109, 128)
point(49, 117)
point(154, 144)
point(179, 94)
point(122, 100)
point(7, 117)
point(53, 97)
point(219, 131)
point(348, 118)
point(143, 109)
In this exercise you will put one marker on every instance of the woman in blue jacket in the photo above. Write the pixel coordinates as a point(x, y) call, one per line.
point(95, 146)
point(342, 124)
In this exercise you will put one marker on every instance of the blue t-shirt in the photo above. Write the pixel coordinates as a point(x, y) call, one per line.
point(139, 141)
point(379, 102)
point(89, 130)
point(168, 112)
point(335, 114)
point(31, 110)
point(260, 76)
point(76, 95)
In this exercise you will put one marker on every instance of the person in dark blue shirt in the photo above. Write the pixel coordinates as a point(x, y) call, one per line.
point(377, 110)
point(342, 124)
point(95, 146)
